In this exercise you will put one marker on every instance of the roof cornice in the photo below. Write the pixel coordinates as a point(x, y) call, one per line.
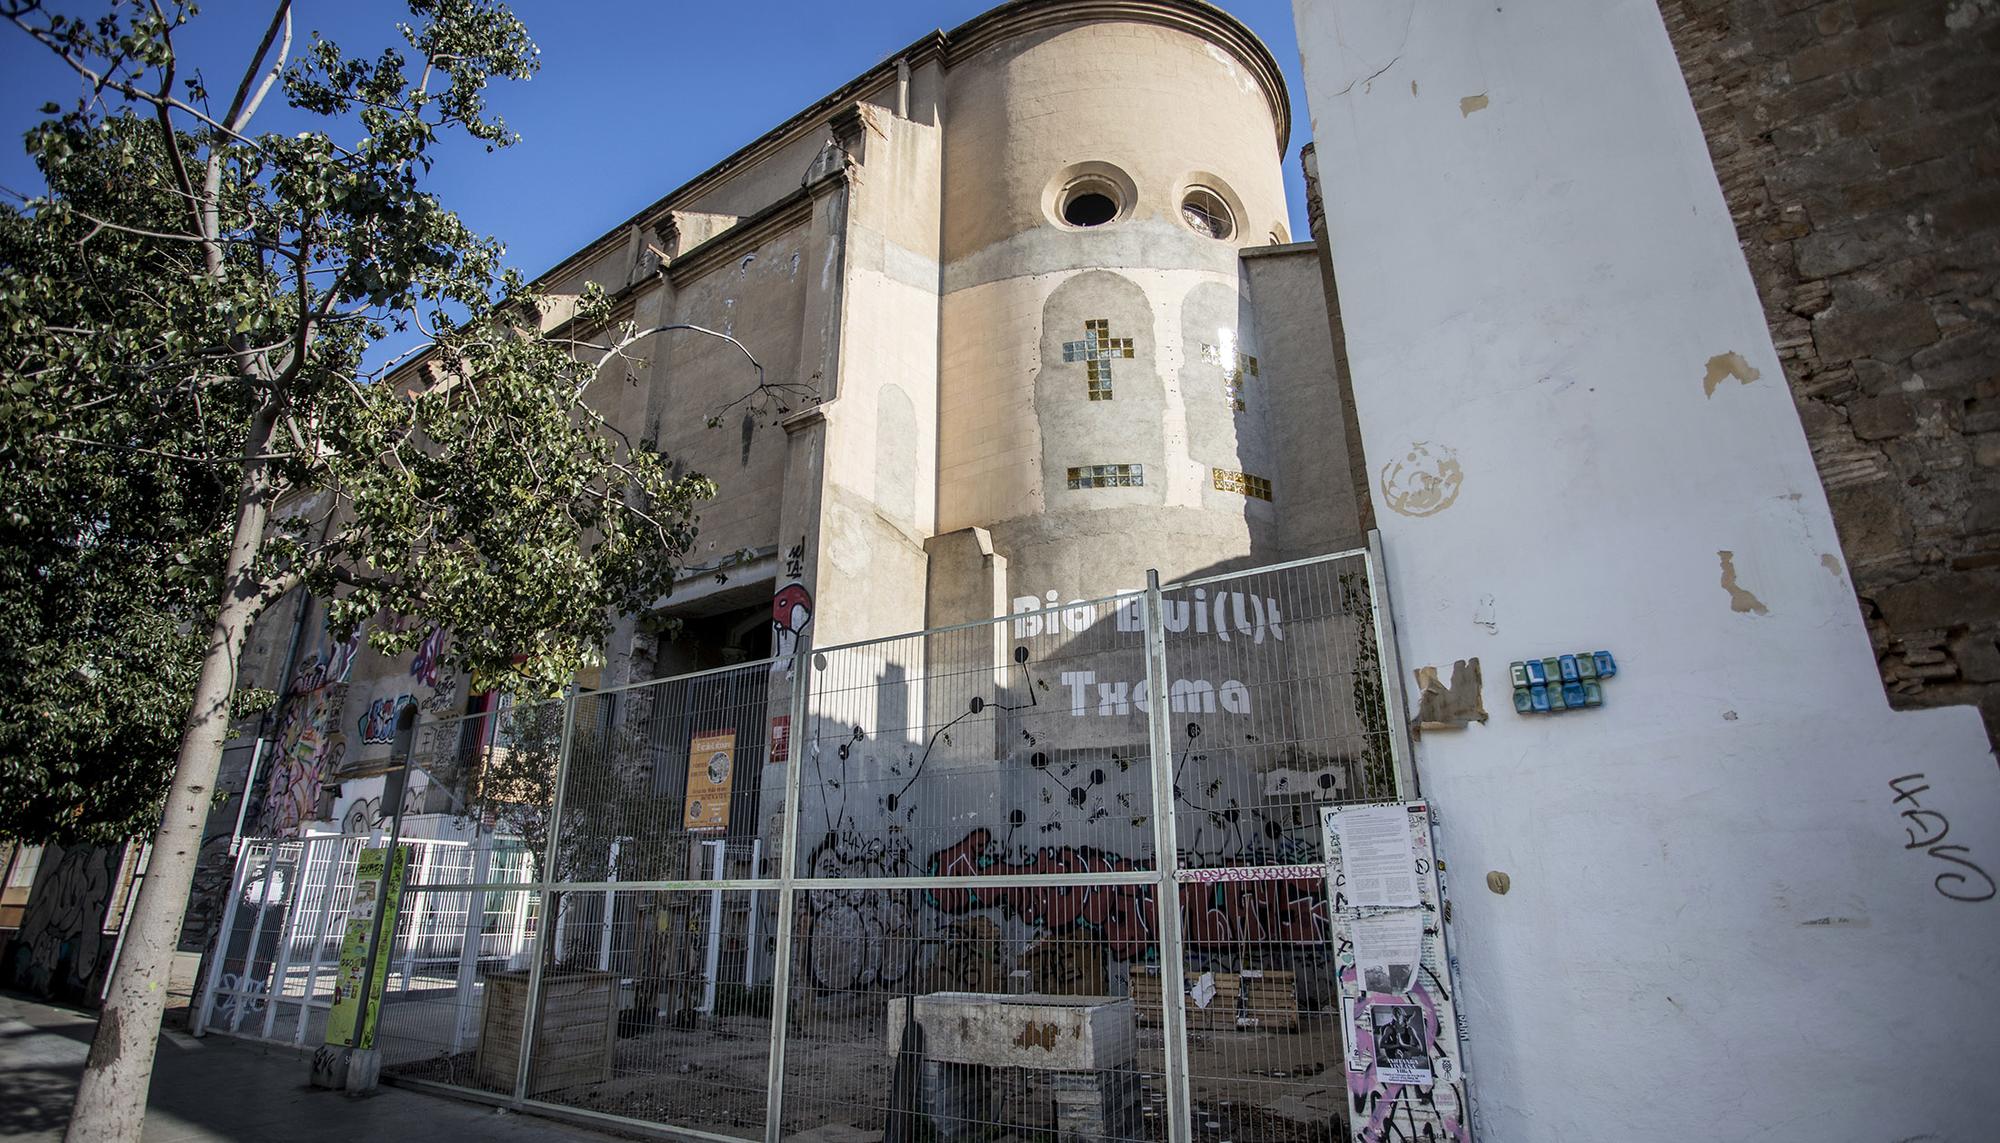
point(983, 31)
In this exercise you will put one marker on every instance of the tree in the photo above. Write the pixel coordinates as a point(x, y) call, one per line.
point(188, 313)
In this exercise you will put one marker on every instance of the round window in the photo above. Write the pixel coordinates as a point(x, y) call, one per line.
point(1089, 207)
point(1205, 213)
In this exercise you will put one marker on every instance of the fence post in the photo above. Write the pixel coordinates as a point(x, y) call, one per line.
point(472, 933)
point(256, 938)
point(1392, 670)
point(544, 930)
point(788, 871)
point(286, 931)
point(1166, 850)
point(336, 867)
point(206, 1008)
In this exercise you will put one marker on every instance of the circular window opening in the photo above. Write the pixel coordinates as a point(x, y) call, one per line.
point(1205, 213)
point(1089, 206)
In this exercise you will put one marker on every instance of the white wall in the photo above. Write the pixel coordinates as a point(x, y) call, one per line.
point(1715, 929)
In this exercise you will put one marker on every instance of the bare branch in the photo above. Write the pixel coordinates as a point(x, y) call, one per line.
point(245, 104)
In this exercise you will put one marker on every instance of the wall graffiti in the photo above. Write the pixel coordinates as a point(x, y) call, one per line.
point(791, 615)
point(62, 945)
point(1287, 911)
point(310, 745)
point(1926, 830)
point(377, 724)
point(427, 669)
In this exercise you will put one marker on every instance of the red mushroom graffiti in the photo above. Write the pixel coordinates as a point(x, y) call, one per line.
point(791, 614)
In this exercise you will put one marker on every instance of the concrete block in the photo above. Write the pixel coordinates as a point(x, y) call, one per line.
point(1052, 1033)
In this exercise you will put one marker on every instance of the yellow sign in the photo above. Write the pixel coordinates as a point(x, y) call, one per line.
point(711, 775)
point(345, 1023)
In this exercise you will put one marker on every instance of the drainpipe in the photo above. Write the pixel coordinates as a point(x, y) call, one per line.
point(902, 89)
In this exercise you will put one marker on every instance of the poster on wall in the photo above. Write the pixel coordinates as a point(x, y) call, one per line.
point(781, 740)
point(711, 776)
point(344, 1023)
point(1404, 1041)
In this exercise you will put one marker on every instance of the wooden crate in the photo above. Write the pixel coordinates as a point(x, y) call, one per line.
point(1252, 1000)
point(576, 1037)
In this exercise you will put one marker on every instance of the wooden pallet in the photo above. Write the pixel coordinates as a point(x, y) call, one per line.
point(1249, 1001)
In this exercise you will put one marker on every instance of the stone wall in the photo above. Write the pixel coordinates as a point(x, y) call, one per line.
point(1859, 150)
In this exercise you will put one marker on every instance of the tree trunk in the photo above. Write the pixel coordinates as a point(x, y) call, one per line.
point(111, 1099)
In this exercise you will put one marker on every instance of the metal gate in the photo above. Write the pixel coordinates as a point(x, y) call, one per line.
point(1059, 873)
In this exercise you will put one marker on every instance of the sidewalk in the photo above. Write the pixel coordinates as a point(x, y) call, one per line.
point(221, 1089)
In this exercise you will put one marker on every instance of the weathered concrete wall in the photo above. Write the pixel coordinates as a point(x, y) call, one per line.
point(1541, 283)
point(1317, 503)
point(1858, 148)
point(1152, 110)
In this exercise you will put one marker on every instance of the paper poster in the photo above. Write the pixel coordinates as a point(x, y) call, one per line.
point(1376, 855)
point(1388, 947)
point(344, 1023)
point(1357, 1057)
point(1401, 1055)
point(781, 739)
point(711, 775)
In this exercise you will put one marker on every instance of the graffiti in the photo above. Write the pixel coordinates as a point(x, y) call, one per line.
point(325, 668)
point(428, 669)
point(1926, 830)
point(1185, 696)
point(1428, 1111)
point(377, 724)
point(310, 746)
point(1254, 617)
point(361, 815)
point(791, 614)
point(1280, 911)
point(246, 995)
point(62, 941)
point(1424, 482)
point(1258, 873)
point(857, 938)
point(795, 561)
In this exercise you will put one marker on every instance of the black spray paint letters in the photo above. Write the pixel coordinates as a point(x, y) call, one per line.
point(1927, 830)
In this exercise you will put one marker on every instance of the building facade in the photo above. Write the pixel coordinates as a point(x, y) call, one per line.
point(1033, 324)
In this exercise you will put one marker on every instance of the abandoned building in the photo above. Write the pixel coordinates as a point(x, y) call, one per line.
point(1640, 347)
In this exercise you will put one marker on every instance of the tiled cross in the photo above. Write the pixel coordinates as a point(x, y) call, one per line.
point(1235, 367)
point(1096, 351)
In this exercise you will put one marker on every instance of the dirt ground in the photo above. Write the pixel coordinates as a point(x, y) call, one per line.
point(1247, 1086)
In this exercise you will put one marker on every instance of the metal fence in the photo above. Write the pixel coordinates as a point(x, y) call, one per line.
point(1056, 874)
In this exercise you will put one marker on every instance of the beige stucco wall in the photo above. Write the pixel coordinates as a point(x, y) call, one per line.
point(1166, 108)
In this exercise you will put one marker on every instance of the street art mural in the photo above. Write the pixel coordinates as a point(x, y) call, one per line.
point(309, 745)
point(992, 771)
point(377, 724)
point(62, 949)
point(427, 669)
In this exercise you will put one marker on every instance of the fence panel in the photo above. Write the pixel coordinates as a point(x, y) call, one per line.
point(1009, 873)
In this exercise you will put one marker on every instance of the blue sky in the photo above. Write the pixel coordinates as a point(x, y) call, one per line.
point(633, 99)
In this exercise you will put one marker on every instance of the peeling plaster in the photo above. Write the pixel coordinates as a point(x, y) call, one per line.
point(1831, 563)
point(1425, 482)
point(1484, 616)
point(1470, 104)
point(1441, 707)
point(1724, 365)
point(1739, 598)
point(1413, 87)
